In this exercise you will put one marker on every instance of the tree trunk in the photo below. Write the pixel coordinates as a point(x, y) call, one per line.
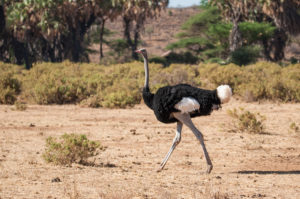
point(274, 47)
point(267, 49)
point(127, 24)
point(136, 40)
point(278, 44)
point(235, 36)
point(133, 43)
point(2, 19)
point(76, 50)
point(101, 38)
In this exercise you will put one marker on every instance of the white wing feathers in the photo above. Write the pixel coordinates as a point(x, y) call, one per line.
point(187, 105)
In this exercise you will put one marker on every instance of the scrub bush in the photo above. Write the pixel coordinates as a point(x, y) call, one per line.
point(70, 148)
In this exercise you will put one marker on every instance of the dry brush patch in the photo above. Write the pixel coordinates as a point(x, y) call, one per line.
point(120, 85)
point(247, 121)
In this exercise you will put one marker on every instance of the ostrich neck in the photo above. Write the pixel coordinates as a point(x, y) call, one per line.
point(146, 85)
point(147, 95)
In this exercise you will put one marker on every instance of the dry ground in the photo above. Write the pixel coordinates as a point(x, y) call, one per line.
point(245, 165)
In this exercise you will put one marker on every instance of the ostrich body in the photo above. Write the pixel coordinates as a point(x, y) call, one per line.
point(180, 103)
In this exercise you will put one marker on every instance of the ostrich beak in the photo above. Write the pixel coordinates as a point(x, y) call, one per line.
point(138, 51)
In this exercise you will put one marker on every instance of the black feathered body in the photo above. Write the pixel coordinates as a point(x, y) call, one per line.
point(164, 101)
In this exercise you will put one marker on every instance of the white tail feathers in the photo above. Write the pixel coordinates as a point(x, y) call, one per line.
point(224, 93)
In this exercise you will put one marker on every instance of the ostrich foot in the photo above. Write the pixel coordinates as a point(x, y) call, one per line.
point(209, 168)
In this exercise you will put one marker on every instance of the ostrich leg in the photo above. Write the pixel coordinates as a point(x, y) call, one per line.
point(176, 141)
point(186, 119)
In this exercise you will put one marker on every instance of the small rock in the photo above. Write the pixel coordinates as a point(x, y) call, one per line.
point(57, 179)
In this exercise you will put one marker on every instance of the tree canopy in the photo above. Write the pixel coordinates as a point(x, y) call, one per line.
point(54, 30)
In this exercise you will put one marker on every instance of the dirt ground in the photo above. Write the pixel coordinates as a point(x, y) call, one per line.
point(245, 165)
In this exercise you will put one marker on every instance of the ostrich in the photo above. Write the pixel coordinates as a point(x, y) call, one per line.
point(179, 104)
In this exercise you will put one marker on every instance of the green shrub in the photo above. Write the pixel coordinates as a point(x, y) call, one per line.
point(185, 57)
point(247, 121)
point(245, 55)
point(71, 148)
point(159, 60)
point(119, 46)
point(255, 31)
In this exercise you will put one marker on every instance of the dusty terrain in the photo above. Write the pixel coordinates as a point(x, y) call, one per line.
point(245, 165)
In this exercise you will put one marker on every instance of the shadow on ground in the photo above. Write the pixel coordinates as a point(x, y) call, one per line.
point(270, 172)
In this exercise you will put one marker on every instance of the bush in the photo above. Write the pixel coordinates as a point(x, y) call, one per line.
point(263, 80)
point(159, 60)
point(20, 106)
point(245, 55)
point(62, 83)
point(185, 57)
point(294, 128)
point(120, 85)
point(71, 148)
point(247, 121)
point(10, 87)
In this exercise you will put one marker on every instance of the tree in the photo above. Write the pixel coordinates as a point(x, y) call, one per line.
point(284, 14)
point(206, 35)
point(106, 9)
point(50, 30)
point(134, 14)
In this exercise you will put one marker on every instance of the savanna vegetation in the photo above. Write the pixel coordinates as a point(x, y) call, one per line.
point(223, 31)
point(240, 32)
point(219, 45)
point(70, 148)
point(120, 85)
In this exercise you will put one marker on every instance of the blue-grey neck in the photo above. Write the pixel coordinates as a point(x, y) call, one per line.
point(146, 85)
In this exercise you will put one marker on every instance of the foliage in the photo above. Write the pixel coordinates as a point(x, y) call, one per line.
point(71, 148)
point(120, 85)
point(283, 14)
point(185, 57)
point(159, 60)
point(255, 31)
point(10, 85)
point(119, 46)
point(47, 30)
point(247, 121)
point(134, 14)
point(263, 80)
point(245, 55)
point(206, 35)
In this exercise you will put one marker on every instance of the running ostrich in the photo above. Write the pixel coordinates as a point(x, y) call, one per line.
point(179, 104)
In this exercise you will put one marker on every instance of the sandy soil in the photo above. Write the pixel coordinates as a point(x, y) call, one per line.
point(245, 165)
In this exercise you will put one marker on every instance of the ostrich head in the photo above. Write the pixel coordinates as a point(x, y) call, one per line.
point(224, 93)
point(143, 52)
